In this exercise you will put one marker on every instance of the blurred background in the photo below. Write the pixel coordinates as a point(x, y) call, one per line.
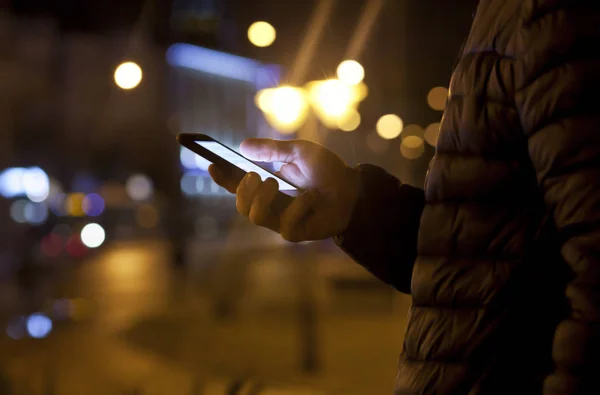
point(123, 268)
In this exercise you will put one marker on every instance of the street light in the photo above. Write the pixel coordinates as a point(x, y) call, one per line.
point(437, 98)
point(389, 126)
point(333, 101)
point(349, 121)
point(350, 72)
point(261, 34)
point(128, 75)
point(285, 107)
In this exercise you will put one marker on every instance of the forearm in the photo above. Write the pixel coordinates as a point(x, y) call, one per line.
point(382, 234)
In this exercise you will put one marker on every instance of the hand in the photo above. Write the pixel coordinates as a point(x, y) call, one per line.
point(322, 211)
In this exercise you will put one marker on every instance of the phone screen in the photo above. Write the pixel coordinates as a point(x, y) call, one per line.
point(239, 161)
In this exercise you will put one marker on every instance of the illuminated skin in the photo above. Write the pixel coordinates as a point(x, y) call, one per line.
point(323, 211)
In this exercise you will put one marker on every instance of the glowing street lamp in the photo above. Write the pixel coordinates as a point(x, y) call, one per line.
point(128, 75)
point(262, 34)
point(389, 126)
point(350, 72)
point(285, 107)
point(333, 101)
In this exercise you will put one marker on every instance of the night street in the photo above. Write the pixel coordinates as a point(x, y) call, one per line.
point(141, 325)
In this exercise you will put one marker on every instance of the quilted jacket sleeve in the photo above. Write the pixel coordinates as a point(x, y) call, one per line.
point(382, 235)
point(558, 95)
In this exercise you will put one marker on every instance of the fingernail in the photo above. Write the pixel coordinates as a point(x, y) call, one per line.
point(251, 178)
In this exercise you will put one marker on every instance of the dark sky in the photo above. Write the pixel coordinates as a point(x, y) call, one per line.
point(410, 49)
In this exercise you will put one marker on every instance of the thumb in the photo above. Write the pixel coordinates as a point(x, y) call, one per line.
point(268, 150)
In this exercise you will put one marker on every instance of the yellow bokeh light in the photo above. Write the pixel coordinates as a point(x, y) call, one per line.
point(349, 121)
point(285, 107)
point(261, 34)
point(74, 204)
point(437, 98)
point(389, 126)
point(350, 72)
point(263, 99)
point(412, 130)
point(128, 75)
point(431, 133)
point(412, 147)
point(332, 97)
point(287, 104)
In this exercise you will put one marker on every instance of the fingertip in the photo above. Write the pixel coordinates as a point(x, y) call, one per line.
point(214, 171)
point(249, 146)
point(271, 182)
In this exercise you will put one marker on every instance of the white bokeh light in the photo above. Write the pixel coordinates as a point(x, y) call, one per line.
point(128, 75)
point(139, 187)
point(92, 235)
point(38, 325)
point(350, 72)
point(36, 184)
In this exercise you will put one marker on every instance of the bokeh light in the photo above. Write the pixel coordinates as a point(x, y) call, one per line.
point(412, 147)
point(350, 121)
point(128, 75)
point(412, 130)
point(139, 187)
point(35, 213)
point(389, 126)
point(285, 107)
point(74, 204)
point(75, 247)
point(350, 72)
point(32, 182)
point(57, 204)
point(39, 325)
point(263, 99)
point(431, 134)
point(186, 157)
point(262, 34)
point(189, 184)
point(11, 182)
point(92, 204)
point(92, 235)
point(36, 184)
point(437, 98)
point(51, 245)
point(332, 97)
point(17, 210)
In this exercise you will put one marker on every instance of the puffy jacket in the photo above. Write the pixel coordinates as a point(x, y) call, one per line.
point(501, 250)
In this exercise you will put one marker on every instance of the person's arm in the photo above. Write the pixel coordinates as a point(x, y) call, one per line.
point(382, 234)
point(557, 76)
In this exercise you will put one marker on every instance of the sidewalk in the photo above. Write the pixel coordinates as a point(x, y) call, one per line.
point(156, 335)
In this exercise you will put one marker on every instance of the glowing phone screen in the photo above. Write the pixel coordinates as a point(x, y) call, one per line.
point(239, 161)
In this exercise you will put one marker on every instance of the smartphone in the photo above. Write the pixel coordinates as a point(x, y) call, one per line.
point(235, 164)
